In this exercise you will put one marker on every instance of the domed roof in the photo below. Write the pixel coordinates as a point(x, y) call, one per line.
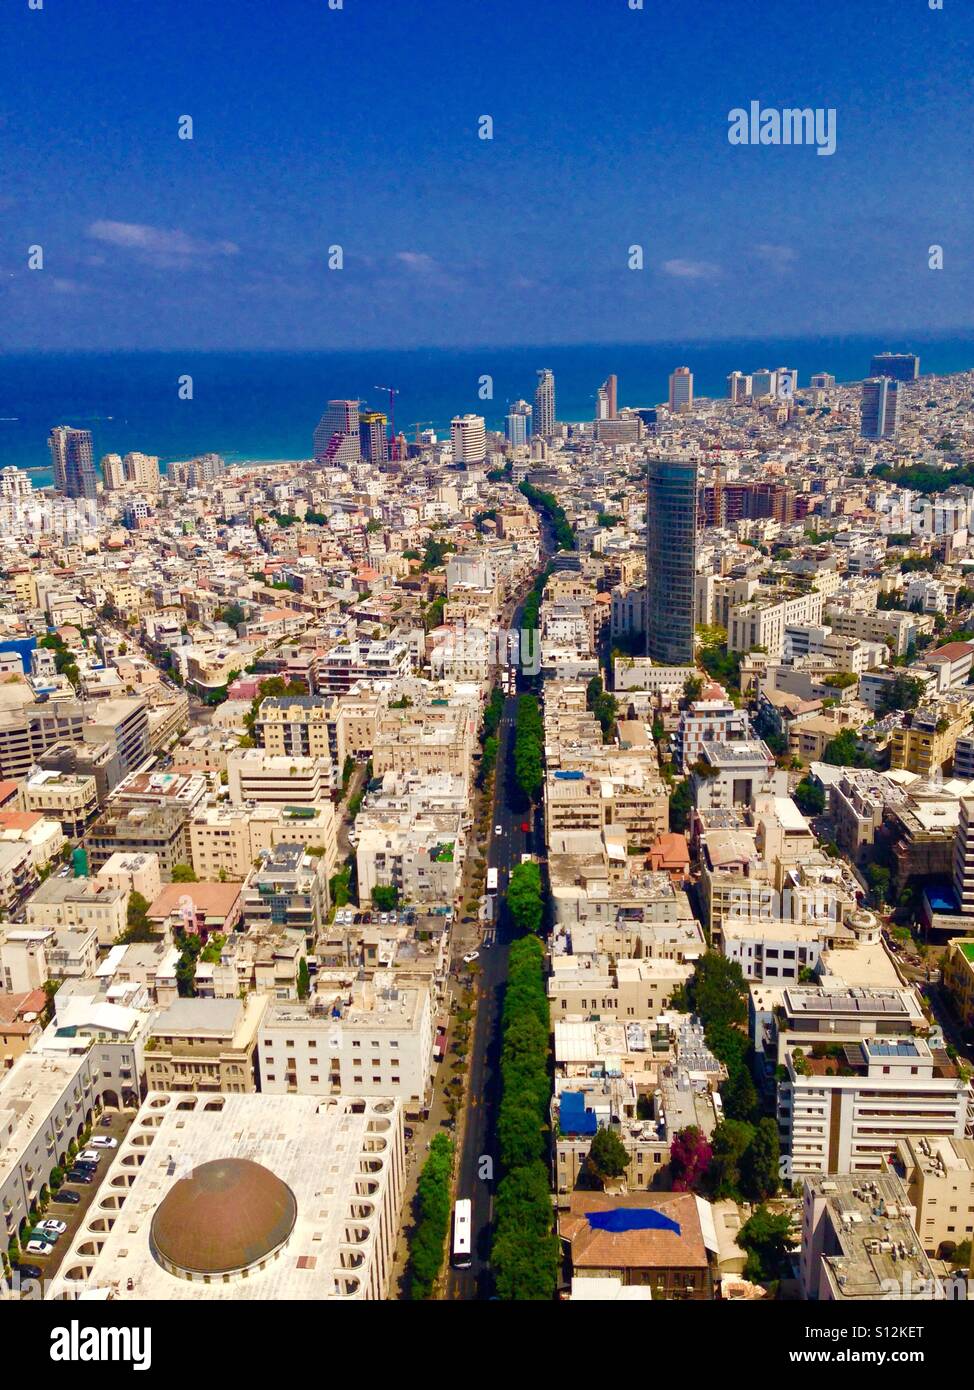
point(228, 1215)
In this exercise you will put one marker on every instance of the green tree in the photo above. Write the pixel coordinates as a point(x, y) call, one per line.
point(607, 1158)
point(810, 797)
point(879, 881)
point(385, 897)
point(184, 873)
point(304, 979)
point(728, 1145)
point(768, 1238)
point(524, 897)
point(760, 1162)
point(844, 751)
point(428, 1239)
point(681, 804)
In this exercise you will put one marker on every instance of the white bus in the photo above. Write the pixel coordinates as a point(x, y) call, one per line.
point(491, 881)
point(462, 1221)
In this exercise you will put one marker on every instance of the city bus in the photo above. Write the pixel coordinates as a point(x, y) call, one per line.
point(491, 881)
point(462, 1220)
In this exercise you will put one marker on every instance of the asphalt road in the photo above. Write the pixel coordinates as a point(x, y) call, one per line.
point(478, 1166)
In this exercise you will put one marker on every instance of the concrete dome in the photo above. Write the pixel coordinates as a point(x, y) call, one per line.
point(227, 1216)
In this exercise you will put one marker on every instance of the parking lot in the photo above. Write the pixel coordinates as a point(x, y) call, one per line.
point(72, 1214)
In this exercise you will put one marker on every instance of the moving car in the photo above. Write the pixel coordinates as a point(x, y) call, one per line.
point(471, 955)
point(498, 830)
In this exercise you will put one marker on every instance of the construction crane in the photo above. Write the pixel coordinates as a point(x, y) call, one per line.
point(393, 393)
point(417, 425)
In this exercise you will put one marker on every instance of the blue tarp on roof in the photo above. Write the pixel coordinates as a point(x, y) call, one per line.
point(631, 1219)
point(573, 1118)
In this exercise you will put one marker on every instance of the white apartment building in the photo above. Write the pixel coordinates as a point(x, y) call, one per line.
point(762, 624)
point(277, 779)
point(468, 436)
point(709, 721)
point(372, 1038)
point(832, 1123)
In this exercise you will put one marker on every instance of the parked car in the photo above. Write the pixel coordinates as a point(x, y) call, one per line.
point(78, 1175)
point(103, 1141)
point(55, 1227)
point(39, 1247)
point(69, 1199)
point(105, 1121)
point(471, 955)
point(28, 1271)
point(88, 1156)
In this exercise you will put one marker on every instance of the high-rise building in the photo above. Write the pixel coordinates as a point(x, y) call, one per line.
point(517, 425)
point(142, 470)
point(468, 435)
point(880, 408)
point(763, 383)
point(373, 440)
point(822, 381)
point(681, 390)
point(738, 387)
point(544, 404)
point(671, 542)
point(611, 388)
point(112, 472)
point(195, 473)
point(73, 460)
point(336, 440)
point(901, 366)
point(786, 382)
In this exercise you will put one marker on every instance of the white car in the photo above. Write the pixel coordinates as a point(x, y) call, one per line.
point(498, 830)
point(102, 1141)
point(89, 1156)
point(470, 956)
point(56, 1228)
point(39, 1247)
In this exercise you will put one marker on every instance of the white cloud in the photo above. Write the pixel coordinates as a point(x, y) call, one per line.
point(691, 270)
point(417, 261)
point(169, 246)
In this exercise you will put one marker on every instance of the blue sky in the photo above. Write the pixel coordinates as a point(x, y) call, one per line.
point(358, 127)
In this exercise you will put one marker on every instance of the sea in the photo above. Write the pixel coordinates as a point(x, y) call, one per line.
point(263, 406)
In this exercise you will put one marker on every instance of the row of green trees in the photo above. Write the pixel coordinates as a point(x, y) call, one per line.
point(525, 1252)
point(528, 742)
point(524, 897)
point(488, 735)
point(428, 1240)
point(548, 503)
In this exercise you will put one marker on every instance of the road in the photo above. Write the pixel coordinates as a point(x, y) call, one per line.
point(479, 1141)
